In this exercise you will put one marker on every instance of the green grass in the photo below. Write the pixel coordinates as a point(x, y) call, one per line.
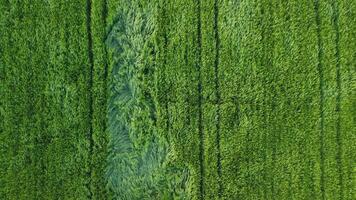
point(177, 99)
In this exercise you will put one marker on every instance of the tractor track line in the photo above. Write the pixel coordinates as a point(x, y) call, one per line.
point(322, 98)
point(106, 64)
point(90, 91)
point(218, 96)
point(200, 98)
point(338, 94)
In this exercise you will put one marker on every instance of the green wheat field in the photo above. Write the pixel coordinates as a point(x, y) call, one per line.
point(177, 99)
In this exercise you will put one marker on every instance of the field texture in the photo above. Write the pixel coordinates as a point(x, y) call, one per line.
point(177, 99)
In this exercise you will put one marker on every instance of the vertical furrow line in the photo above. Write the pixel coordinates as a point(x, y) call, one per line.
point(165, 64)
point(200, 119)
point(321, 100)
point(218, 95)
point(90, 95)
point(105, 86)
point(267, 38)
point(106, 66)
point(338, 94)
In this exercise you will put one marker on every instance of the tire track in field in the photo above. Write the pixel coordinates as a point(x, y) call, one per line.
point(200, 119)
point(267, 39)
point(263, 104)
point(287, 11)
point(104, 14)
point(90, 91)
point(106, 67)
point(322, 97)
point(218, 96)
point(106, 60)
point(338, 94)
point(165, 61)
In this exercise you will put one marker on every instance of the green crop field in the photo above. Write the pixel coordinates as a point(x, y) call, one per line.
point(177, 99)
